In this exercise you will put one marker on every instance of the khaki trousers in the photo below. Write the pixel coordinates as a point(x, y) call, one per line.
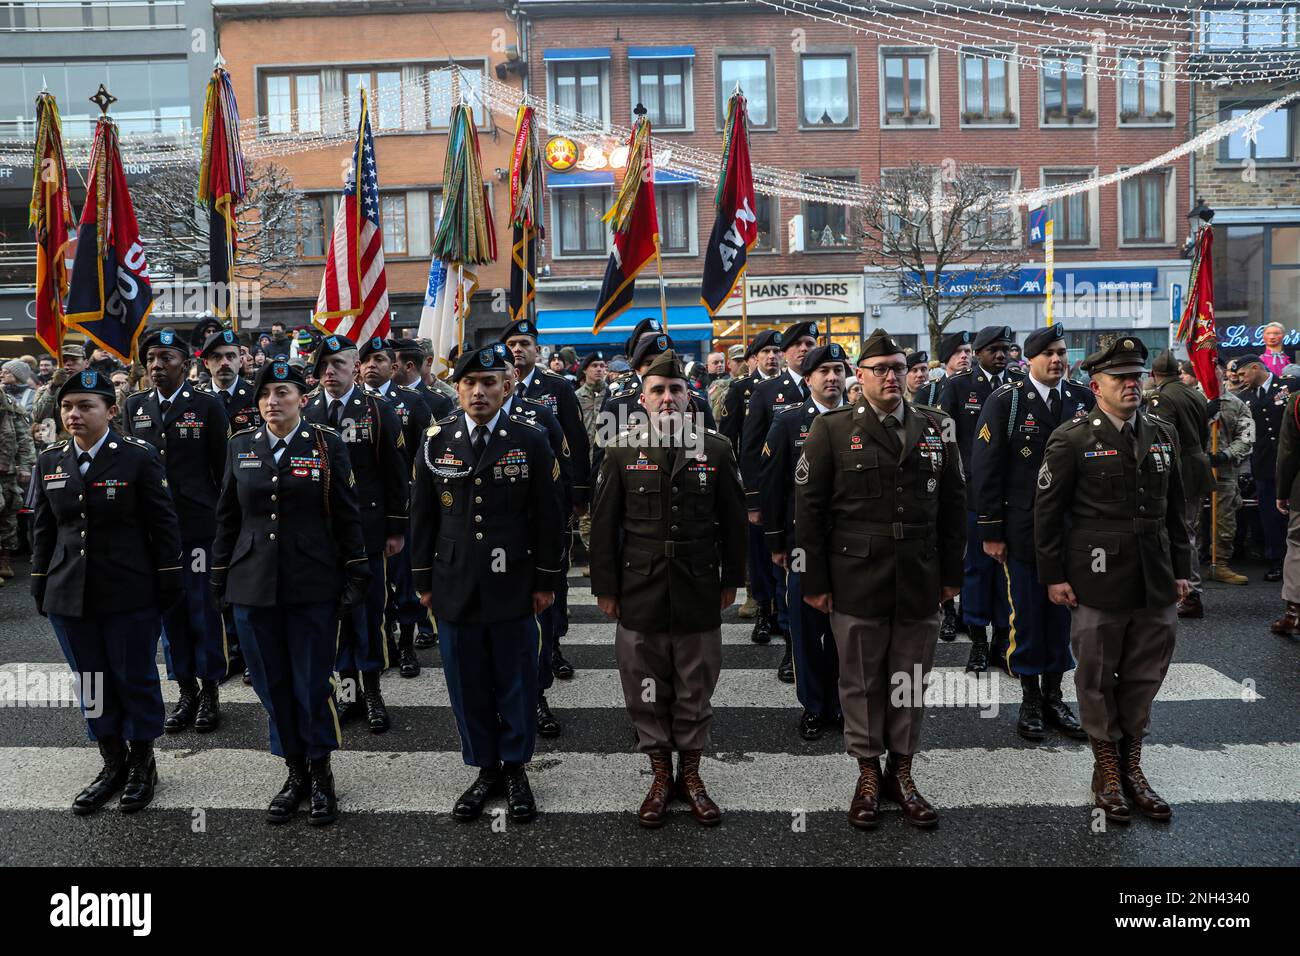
point(1122, 660)
point(668, 682)
point(871, 652)
point(1291, 566)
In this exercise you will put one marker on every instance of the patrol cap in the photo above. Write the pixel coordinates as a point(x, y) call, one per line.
point(89, 382)
point(994, 335)
point(951, 342)
point(1165, 364)
point(736, 352)
point(409, 349)
point(795, 332)
point(1123, 356)
point(650, 346)
point(330, 345)
point(490, 358)
point(520, 327)
point(426, 346)
point(1040, 339)
point(666, 364)
point(218, 339)
point(879, 343)
point(915, 359)
point(279, 372)
point(373, 344)
point(646, 325)
point(1247, 360)
point(597, 356)
point(75, 349)
point(823, 354)
point(764, 339)
point(163, 339)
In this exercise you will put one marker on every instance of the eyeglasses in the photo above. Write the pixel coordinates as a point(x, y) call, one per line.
point(880, 371)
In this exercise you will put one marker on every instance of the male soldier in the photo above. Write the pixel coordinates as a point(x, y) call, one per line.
point(667, 555)
point(486, 527)
point(1267, 397)
point(402, 610)
point(373, 435)
point(918, 371)
point(590, 395)
point(189, 428)
point(428, 379)
point(879, 563)
point(1112, 546)
point(720, 384)
point(1184, 410)
point(45, 406)
point(788, 388)
point(408, 360)
point(983, 593)
point(1004, 466)
point(955, 355)
point(1235, 440)
point(1288, 484)
point(815, 666)
point(17, 456)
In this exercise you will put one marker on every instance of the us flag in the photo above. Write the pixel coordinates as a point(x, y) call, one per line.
point(353, 298)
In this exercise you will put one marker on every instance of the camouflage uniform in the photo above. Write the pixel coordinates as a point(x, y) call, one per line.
point(589, 401)
point(1236, 440)
point(17, 457)
point(45, 408)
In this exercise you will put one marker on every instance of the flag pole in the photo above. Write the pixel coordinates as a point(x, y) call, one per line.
point(1214, 502)
point(663, 301)
point(744, 308)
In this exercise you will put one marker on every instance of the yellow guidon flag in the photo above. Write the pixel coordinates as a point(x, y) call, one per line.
point(984, 433)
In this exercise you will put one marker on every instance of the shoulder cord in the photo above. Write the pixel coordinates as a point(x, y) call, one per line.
point(1011, 420)
point(324, 453)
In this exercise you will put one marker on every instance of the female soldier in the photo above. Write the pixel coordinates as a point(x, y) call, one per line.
point(288, 538)
point(106, 557)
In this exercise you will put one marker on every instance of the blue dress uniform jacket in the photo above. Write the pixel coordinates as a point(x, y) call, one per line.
point(439, 405)
point(784, 443)
point(928, 394)
point(240, 404)
point(412, 413)
point(109, 542)
point(191, 438)
point(777, 392)
point(556, 393)
point(1267, 410)
point(469, 517)
point(734, 406)
point(285, 532)
point(372, 433)
point(962, 399)
point(540, 414)
point(1005, 459)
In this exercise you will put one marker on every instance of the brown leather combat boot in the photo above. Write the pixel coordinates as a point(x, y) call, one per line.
point(654, 808)
point(1135, 785)
point(864, 811)
point(690, 788)
point(899, 786)
point(1107, 792)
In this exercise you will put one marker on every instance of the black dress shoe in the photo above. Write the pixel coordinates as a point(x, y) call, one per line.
point(978, 662)
point(1273, 574)
point(182, 714)
point(248, 677)
point(810, 725)
point(324, 804)
point(141, 777)
point(762, 630)
point(1030, 723)
point(785, 672)
point(296, 789)
point(948, 626)
point(376, 710)
point(548, 725)
point(425, 638)
point(111, 778)
point(351, 706)
point(408, 662)
point(561, 668)
point(207, 717)
point(489, 783)
point(520, 804)
point(1055, 711)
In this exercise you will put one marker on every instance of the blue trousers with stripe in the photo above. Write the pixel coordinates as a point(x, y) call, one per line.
point(116, 656)
point(403, 603)
point(762, 572)
point(812, 645)
point(1040, 630)
point(194, 642)
point(362, 646)
point(491, 672)
point(983, 591)
point(554, 624)
point(289, 649)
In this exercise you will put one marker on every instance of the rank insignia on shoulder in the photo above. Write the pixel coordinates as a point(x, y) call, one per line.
point(984, 434)
point(801, 470)
point(555, 472)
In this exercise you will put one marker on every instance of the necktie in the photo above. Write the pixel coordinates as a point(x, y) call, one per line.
point(891, 433)
point(336, 414)
point(166, 407)
point(1054, 406)
point(1127, 431)
point(479, 440)
point(83, 460)
point(277, 448)
point(519, 390)
point(805, 390)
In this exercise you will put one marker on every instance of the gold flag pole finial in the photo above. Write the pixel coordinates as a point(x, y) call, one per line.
point(103, 99)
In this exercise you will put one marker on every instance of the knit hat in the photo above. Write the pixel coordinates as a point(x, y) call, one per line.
point(19, 370)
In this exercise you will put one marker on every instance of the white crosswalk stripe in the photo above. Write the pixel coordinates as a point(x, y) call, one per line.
point(595, 634)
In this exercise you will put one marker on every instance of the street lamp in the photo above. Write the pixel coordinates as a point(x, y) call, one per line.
point(1202, 212)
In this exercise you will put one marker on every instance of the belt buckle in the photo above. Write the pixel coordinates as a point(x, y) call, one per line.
point(670, 549)
point(898, 531)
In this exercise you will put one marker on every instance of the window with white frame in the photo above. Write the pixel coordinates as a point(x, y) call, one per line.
point(1145, 87)
point(1249, 28)
point(675, 205)
point(989, 87)
point(292, 102)
point(1144, 206)
point(827, 226)
point(577, 217)
point(440, 92)
point(392, 218)
point(827, 90)
point(909, 90)
point(578, 86)
point(998, 222)
point(1068, 87)
point(1074, 217)
point(384, 87)
point(311, 226)
point(753, 73)
point(663, 87)
point(767, 223)
point(908, 224)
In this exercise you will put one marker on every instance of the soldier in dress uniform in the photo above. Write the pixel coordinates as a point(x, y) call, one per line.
point(106, 558)
point(765, 349)
point(816, 664)
point(408, 360)
point(189, 428)
point(1267, 396)
point(918, 372)
point(1112, 546)
point(880, 562)
point(221, 355)
point(1005, 459)
point(372, 433)
point(983, 594)
point(667, 556)
point(486, 527)
point(403, 611)
point(955, 353)
point(288, 556)
point(1184, 409)
point(1288, 503)
point(785, 389)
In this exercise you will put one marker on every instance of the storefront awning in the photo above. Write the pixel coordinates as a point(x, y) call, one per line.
point(663, 177)
point(580, 53)
point(660, 52)
point(560, 327)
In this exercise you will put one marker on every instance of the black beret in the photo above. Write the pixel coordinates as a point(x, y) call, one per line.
point(646, 325)
point(490, 358)
point(373, 344)
point(797, 331)
point(163, 339)
point(1165, 364)
point(1247, 360)
point(278, 372)
point(1122, 357)
point(765, 339)
point(823, 354)
point(879, 343)
point(1040, 339)
point(520, 327)
point(917, 358)
point(597, 356)
point(218, 339)
point(89, 382)
point(330, 345)
point(667, 364)
point(650, 346)
point(406, 347)
point(992, 335)
point(950, 343)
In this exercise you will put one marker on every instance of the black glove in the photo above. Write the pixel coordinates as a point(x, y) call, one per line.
point(218, 583)
point(38, 592)
point(169, 589)
point(354, 590)
point(1219, 459)
point(1212, 408)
